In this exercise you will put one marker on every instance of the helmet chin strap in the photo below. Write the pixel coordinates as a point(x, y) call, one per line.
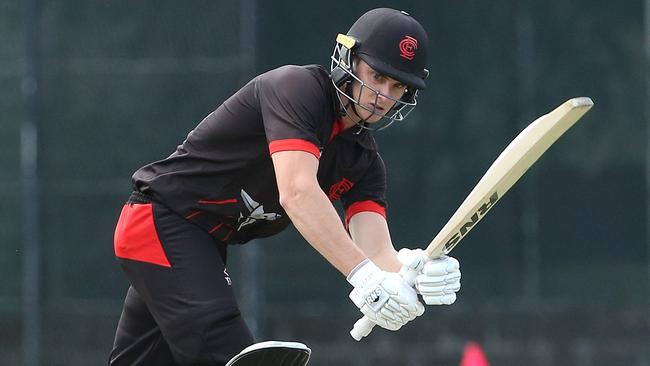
point(362, 122)
point(356, 113)
point(352, 104)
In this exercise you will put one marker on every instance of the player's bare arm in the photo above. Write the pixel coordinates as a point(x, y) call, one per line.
point(369, 231)
point(437, 280)
point(316, 219)
point(311, 211)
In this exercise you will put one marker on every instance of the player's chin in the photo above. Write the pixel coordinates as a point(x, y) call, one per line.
point(373, 117)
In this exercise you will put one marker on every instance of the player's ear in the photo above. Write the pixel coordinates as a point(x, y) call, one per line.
point(355, 62)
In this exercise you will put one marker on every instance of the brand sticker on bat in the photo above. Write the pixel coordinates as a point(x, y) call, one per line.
point(475, 218)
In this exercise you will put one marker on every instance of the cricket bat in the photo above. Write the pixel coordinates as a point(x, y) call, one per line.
point(506, 170)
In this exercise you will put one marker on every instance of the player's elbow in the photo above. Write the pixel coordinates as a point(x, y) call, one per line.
point(294, 193)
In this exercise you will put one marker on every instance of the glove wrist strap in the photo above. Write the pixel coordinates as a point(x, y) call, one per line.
point(362, 272)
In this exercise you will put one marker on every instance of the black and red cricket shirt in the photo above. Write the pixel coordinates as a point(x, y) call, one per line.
point(222, 178)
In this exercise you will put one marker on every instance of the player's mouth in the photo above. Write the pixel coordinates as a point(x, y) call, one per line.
point(377, 108)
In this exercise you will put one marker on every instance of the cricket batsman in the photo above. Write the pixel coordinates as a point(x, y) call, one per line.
point(281, 150)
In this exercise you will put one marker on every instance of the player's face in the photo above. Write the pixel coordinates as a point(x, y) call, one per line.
point(378, 95)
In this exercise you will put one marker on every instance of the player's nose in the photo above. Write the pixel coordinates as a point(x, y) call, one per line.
point(384, 91)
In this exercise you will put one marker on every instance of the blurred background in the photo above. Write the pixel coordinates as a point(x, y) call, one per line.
point(557, 274)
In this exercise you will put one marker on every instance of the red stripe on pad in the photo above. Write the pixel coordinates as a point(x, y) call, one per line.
point(215, 228)
point(193, 214)
point(222, 202)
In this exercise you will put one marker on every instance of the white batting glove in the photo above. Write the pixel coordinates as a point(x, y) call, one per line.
point(384, 297)
point(437, 280)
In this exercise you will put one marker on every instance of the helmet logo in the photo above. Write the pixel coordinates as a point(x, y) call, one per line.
point(407, 47)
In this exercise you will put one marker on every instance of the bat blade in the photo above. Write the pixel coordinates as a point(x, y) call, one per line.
point(506, 170)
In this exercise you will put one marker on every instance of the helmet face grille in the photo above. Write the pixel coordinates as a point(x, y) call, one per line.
point(343, 76)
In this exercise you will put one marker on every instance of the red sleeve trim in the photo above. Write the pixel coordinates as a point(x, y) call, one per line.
point(363, 206)
point(294, 145)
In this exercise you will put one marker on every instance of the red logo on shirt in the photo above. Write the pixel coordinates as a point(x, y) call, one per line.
point(407, 47)
point(339, 189)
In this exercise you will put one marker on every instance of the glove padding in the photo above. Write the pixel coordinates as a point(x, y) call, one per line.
point(437, 280)
point(384, 297)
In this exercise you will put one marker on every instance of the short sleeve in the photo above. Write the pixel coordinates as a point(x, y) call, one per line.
point(292, 103)
point(369, 194)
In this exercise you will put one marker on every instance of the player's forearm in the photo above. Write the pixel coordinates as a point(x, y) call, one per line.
point(316, 219)
point(386, 259)
point(369, 231)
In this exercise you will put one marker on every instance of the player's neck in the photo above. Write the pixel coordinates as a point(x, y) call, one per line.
point(349, 120)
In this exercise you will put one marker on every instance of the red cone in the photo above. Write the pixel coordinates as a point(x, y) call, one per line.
point(473, 355)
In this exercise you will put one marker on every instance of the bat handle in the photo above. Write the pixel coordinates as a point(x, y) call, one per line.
point(362, 328)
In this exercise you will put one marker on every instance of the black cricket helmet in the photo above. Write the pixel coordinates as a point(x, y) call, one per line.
point(394, 44)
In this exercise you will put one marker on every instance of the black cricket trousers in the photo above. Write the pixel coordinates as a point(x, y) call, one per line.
point(180, 308)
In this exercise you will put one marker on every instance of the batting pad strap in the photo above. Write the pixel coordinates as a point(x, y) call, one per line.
point(363, 206)
point(294, 145)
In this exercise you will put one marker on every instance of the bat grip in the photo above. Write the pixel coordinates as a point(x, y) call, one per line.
point(362, 328)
